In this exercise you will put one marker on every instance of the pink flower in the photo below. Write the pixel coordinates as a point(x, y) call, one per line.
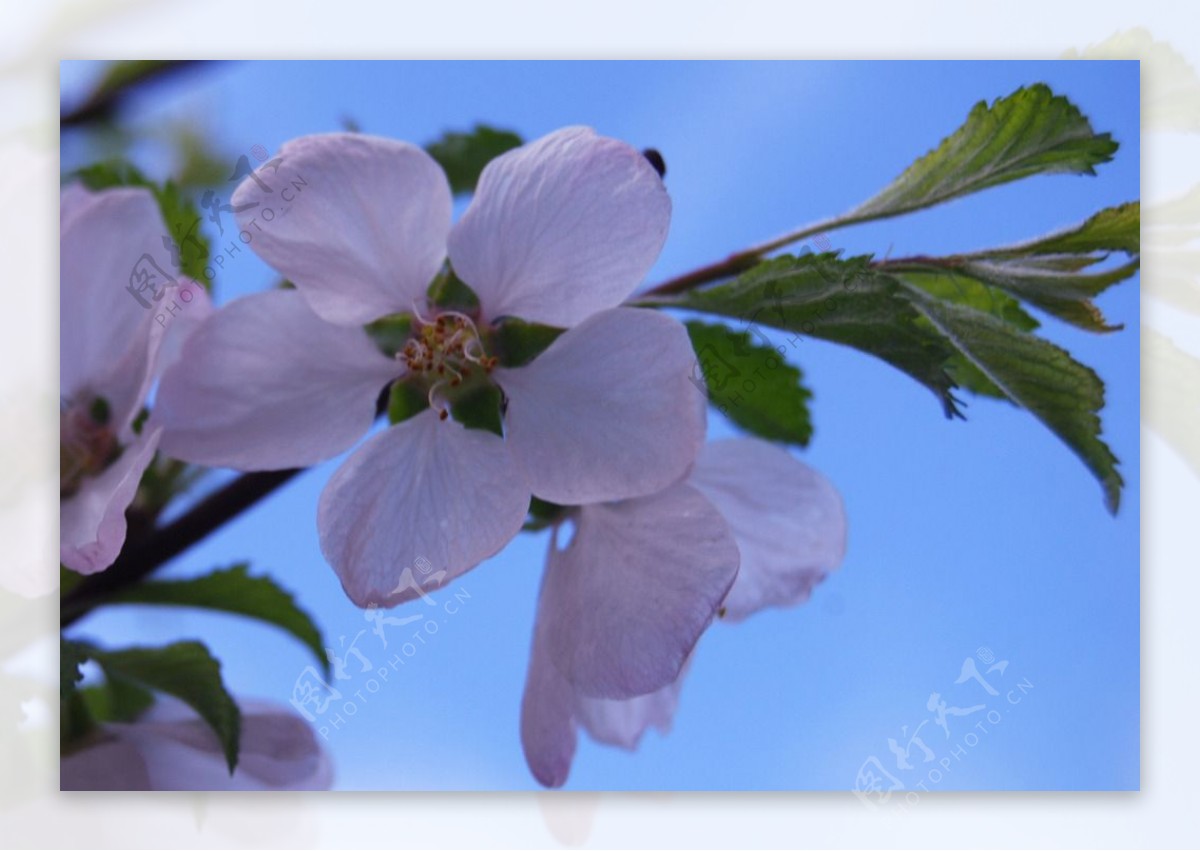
point(171, 748)
point(622, 606)
point(560, 231)
point(119, 298)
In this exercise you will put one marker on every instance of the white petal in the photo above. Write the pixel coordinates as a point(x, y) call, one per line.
point(110, 764)
point(418, 505)
point(608, 411)
point(357, 223)
point(631, 594)
point(109, 240)
point(787, 518)
point(622, 722)
point(561, 228)
point(172, 749)
point(266, 384)
point(92, 521)
point(548, 704)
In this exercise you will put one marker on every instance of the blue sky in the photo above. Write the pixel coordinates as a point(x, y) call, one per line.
point(979, 539)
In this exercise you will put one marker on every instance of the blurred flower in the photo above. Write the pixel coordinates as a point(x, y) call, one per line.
point(560, 231)
point(118, 301)
point(171, 748)
point(622, 605)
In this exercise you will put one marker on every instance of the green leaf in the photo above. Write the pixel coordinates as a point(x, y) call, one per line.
point(516, 342)
point(750, 382)
point(232, 590)
point(1066, 295)
point(1112, 229)
point(449, 292)
point(949, 286)
point(71, 655)
point(185, 670)
point(843, 301)
point(463, 155)
point(1038, 376)
point(117, 700)
point(1049, 273)
point(479, 407)
point(1032, 131)
point(390, 333)
point(405, 400)
point(184, 240)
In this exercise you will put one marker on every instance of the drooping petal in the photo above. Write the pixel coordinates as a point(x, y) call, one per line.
point(267, 384)
point(548, 704)
point(561, 228)
point(418, 505)
point(357, 223)
point(170, 748)
point(787, 519)
point(629, 597)
point(623, 722)
point(92, 521)
point(124, 383)
point(607, 412)
point(111, 246)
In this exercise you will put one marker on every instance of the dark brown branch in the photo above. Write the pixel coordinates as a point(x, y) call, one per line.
point(163, 544)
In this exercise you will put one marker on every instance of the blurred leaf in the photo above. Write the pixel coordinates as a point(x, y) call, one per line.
point(464, 155)
point(122, 73)
point(185, 240)
point(117, 700)
point(750, 382)
point(71, 655)
point(1032, 131)
point(185, 670)
point(232, 590)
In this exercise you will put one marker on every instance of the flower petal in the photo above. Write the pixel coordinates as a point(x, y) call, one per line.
point(622, 722)
point(548, 735)
point(170, 748)
point(111, 764)
point(561, 228)
point(266, 384)
point(92, 521)
point(358, 223)
point(126, 381)
point(787, 518)
point(629, 597)
point(418, 505)
point(106, 238)
point(608, 411)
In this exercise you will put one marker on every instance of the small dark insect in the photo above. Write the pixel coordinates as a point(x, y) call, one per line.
point(656, 159)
